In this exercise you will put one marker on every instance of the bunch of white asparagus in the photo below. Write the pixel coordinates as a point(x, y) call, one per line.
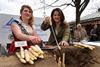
point(84, 46)
point(29, 55)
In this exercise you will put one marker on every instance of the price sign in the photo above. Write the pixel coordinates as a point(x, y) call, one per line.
point(20, 43)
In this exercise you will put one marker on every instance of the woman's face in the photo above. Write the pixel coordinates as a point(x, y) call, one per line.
point(26, 13)
point(56, 16)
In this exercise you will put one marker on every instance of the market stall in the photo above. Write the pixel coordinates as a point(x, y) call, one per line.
point(75, 56)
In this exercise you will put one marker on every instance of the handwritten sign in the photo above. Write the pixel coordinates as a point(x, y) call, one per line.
point(20, 43)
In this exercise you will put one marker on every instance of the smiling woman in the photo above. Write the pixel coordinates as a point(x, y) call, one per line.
point(22, 29)
point(58, 27)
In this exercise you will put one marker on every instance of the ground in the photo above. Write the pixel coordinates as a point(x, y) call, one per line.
point(48, 61)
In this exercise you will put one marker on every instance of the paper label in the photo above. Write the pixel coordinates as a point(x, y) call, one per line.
point(20, 43)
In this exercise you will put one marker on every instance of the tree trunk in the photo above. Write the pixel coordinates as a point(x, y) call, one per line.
point(77, 18)
point(77, 11)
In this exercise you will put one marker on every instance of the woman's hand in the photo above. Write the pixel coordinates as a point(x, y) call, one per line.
point(35, 39)
point(63, 43)
point(47, 18)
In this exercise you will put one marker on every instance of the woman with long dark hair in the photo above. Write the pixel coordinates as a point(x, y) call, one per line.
point(60, 27)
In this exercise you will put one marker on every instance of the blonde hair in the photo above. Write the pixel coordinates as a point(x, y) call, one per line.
point(30, 22)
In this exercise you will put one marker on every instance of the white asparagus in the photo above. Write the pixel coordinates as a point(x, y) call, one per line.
point(31, 62)
point(27, 57)
point(34, 48)
point(32, 56)
point(22, 52)
point(63, 60)
point(20, 58)
point(59, 62)
point(18, 55)
point(39, 49)
point(84, 45)
point(33, 52)
point(41, 56)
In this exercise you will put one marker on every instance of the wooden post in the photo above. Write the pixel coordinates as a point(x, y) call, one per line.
point(63, 60)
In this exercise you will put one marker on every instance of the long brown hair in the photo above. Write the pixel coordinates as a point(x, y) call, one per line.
point(30, 22)
point(61, 16)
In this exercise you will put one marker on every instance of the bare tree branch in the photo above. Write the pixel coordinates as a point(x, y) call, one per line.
point(73, 1)
point(58, 5)
point(46, 5)
point(51, 3)
point(83, 5)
